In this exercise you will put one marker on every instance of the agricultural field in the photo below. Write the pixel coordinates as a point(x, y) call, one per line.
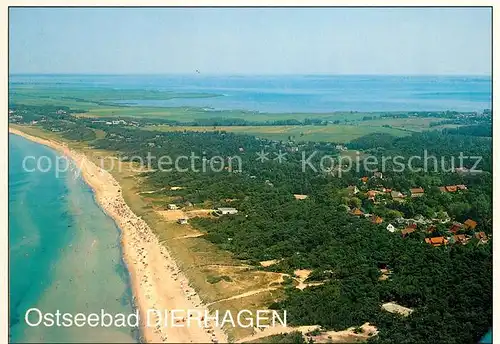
point(416, 124)
point(330, 133)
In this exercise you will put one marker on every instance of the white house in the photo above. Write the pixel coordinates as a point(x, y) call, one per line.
point(182, 221)
point(391, 228)
point(227, 211)
point(172, 207)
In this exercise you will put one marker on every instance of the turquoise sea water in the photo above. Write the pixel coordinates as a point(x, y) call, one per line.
point(64, 252)
point(488, 338)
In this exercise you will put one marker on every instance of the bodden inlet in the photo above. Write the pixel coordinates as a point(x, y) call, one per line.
point(286, 93)
point(64, 252)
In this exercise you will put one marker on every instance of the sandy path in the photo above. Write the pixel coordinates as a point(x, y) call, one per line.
point(248, 293)
point(270, 331)
point(187, 236)
point(157, 283)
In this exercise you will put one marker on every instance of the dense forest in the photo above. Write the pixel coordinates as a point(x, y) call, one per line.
point(448, 287)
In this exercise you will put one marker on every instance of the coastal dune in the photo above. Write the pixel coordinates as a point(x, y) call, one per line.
point(157, 282)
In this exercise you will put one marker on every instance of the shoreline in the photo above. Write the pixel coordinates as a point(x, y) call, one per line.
point(156, 281)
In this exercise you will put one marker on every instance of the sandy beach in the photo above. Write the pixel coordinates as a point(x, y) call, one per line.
point(157, 282)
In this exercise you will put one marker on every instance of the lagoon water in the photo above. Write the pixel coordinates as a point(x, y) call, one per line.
point(293, 93)
point(64, 252)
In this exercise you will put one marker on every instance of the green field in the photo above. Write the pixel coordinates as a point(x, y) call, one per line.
point(330, 133)
point(410, 123)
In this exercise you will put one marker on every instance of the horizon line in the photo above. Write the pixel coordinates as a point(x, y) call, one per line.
point(243, 74)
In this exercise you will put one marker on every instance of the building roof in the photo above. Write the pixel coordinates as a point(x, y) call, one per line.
point(460, 238)
point(297, 196)
point(436, 241)
point(226, 209)
point(407, 231)
point(364, 179)
point(377, 219)
point(455, 228)
point(470, 223)
point(481, 235)
point(417, 190)
point(371, 193)
point(357, 211)
point(451, 188)
point(462, 187)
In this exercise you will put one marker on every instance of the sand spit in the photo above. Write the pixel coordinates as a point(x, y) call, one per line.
point(157, 282)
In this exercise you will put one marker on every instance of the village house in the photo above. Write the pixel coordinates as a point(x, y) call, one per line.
point(226, 211)
point(407, 231)
point(172, 207)
point(364, 179)
point(357, 212)
point(298, 196)
point(470, 224)
point(390, 228)
point(182, 221)
point(460, 239)
point(371, 195)
point(416, 192)
point(377, 219)
point(455, 227)
point(451, 188)
point(436, 241)
point(482, 237)
point(385, 271)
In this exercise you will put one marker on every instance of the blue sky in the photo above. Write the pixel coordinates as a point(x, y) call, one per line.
point(251, 41)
